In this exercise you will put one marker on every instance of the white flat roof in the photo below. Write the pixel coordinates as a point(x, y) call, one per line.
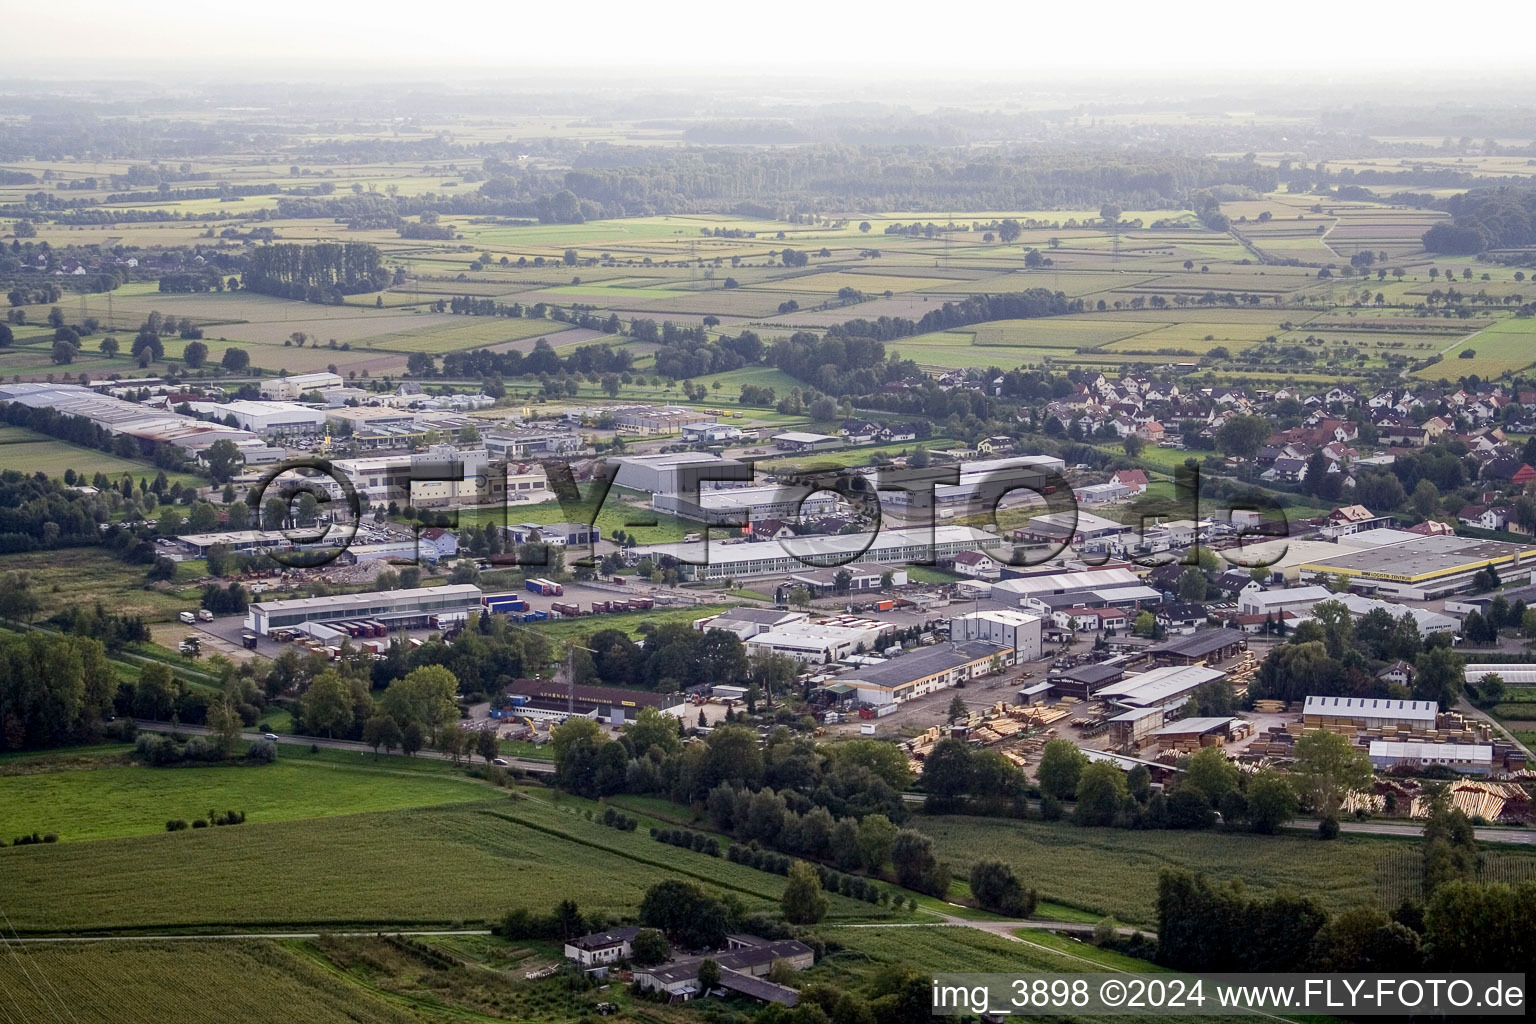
point(1292, 595)
point(1069, 579)
point(1082, 522)
point(466, 591)
point(1371, 707)
point(1432, 751)
point(1007, 615)
point(809, 548)
point(803, 436)
point(1160, 684)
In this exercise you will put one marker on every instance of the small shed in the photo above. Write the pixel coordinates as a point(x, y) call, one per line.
point(1132, 728)
point(1036, 694)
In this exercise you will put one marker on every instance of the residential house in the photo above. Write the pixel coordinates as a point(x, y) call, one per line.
point(602, 948)
point(1134, 480)
point(978, 565)
point(859, 431)
point(1511, 469)
point(769, 529)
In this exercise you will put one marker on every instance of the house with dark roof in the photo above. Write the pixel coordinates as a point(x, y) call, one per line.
point(743, 968)
point(601, 948)
point(1511, 469)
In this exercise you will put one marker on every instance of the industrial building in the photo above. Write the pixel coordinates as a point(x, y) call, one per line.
point(782, 557)
point(441, 476)
point(676, 472)
point(820, 643)
point(395, 608)
point(921, 672)
point(1168, 688)
point(1204, 647)
point(1423, 569)
point(117, 416)
point(1020, 588)
point(748, 504)
point(1015, 630)
point(1130, 729)
point(560, 535)
point(1469, 758)
point(749, 622)
point(525, 444)
point(1273, 602)
point(239, 541)
point(269, 419)
point(1428, 622)
point(982, 484)
point(1368, 713)
point(1082, 530)
point(1085, 681)
point(862, 578)
point(649, 419)
point(554, 700)
point(804, 441)
point(286, 389)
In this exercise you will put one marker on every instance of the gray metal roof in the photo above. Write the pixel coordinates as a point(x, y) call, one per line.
point(925, 663)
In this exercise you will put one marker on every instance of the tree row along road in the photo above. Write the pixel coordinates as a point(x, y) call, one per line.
point(1403, 829)
point(527, 764)
point(1409, 830)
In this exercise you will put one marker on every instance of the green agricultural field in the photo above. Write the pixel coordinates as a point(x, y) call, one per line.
point(430, 866)
point(870, 284)
point(198, 982)
point(130, 799)
point(1112, 871)
point(621, 509)
point(469, 333)
point(28, 451)
point(1506, 347)
point(630, 622)
point(932, 948)
point(1056, 332)
point(85, 576)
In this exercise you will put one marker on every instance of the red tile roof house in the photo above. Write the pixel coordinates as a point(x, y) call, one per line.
point(1135, 479)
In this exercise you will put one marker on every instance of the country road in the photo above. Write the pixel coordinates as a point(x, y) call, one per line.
point(1400, 829)
point(527, 764)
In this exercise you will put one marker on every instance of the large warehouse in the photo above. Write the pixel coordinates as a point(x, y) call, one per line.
point(782, 557)
point(676, 472)
point(395, 608)
point(1368, 712)
point(749, 504)
point(266, 418)
point(925, 670)
point(1168, 688)
point(1423, 569)
point(1017, 631)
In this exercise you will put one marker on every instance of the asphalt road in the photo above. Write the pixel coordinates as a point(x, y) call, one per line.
point(525, 763)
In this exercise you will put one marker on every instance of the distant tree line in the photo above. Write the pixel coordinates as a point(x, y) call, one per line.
point(324, 272)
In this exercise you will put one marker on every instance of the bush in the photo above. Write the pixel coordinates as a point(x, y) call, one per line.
point(262, 752)
point(176, 825)
point(1328, 828)
point(199, 823)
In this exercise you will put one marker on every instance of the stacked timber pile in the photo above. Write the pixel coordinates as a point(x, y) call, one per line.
point(1269, 707)
point(1487, 800)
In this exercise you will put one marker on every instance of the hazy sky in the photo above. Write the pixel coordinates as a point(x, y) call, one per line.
point(900, 38)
